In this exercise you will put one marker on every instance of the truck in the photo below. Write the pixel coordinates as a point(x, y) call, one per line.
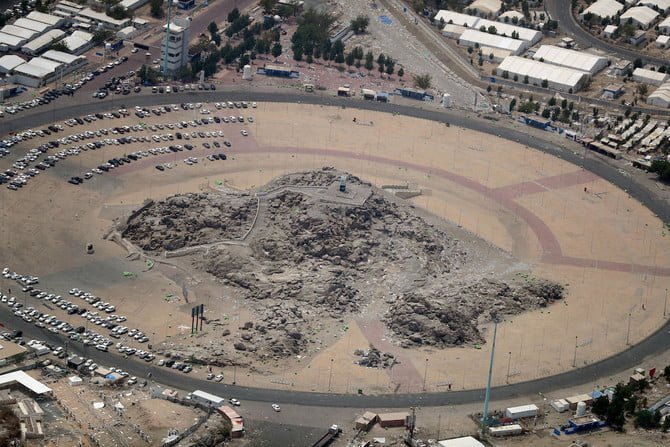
point(327, 439)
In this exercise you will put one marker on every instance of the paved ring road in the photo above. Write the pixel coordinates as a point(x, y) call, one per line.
point(631, 357)
point(561, 11)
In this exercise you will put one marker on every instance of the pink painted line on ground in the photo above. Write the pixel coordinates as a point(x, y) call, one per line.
point(404, 372)
point(546, 183)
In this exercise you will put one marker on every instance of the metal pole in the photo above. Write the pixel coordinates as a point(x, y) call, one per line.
point(628, 332)
point(509, 363)
point(330, 374)
point(665, 305)
point(488, 383)
point(234, 374)
point(574, 359)
point(425, 375)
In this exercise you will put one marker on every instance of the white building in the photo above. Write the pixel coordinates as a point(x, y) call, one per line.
point(664, 26)
point(510, 16)
point(662, 5)
point(559, 78)
point(205, 398)
point(9, 63)
point(661, 97)
point(456, 18)
point(642, 16)
point(42, 42)
point(176, 39)
point(18, 32)
point(663, 41)
point(467, 441)
point(49, 19)
point(132, 4)
point(33, 25)
point(506, 30)
point(603, 9)
point(67, 9)
point(610, 30)
point(10, 42)
point(26, 381)
point(486, 8)
point(453, 31)
point(103, 19)
point(71, 61)
point(570, 58)
point(471, 37)
point(79, 42)
point(649, 76)
point(36, 72)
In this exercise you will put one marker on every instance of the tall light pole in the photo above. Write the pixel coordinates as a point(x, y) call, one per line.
point(485, 420)
point(574, 359)
point(425, 375)
point(665, 305)
point(628, 332)
point(509, 363)
point(330, 375)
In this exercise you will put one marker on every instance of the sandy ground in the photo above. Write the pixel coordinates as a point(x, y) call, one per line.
point(600, 243)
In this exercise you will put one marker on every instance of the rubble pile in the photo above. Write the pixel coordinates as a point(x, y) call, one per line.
point(374, 358)
point(191, 219)
point(451, 316)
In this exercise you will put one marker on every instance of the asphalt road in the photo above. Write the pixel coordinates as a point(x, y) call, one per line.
point(654, 344)
point(560, 10)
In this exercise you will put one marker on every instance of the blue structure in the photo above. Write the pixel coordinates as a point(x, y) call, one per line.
point(185, 4)
point(537, 123)
point(580, 425)
point(414, 94)
point(280, 72)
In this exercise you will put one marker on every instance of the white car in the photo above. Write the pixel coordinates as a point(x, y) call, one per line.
point(276, 407)
point(244, 133)
point(235, 402)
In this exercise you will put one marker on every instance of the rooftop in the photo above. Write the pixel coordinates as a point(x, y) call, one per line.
point(25, 380)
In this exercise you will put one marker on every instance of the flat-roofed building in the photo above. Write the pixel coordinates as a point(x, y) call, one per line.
point(10, 42)
point(559, 78)
point(456, 18)
point(36, 73)
point(649, 76)
point(176, 41)
point(471, 38)
point(660, 97)
point(103, 19)
point(661, 5)
point(19, 32)
point(78, 42)
point(42, 42)
point(603, 9)
point(49, 19)
point(25, 380)
point(570, 58)
point(664, 26)
point(486, 8)
point(7, 64)
point(32, 25)
point(642, 16)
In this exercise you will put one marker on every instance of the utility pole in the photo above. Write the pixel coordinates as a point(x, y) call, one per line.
point(665, 305)
point(330, 374)
point(628, 332)
point(485, 420)
point(509, 363)
point(574, 358)
point(425, 375)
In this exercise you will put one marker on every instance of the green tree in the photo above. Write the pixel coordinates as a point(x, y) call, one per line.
point(60, 46)
point(401, 72)
point(369, 61)
point(390, 68)
point(350, 59)
point(212, 28)
point(381, 59)
point(360, 24)
point(268, 5)
point(546, 113)
point(600, 406)
point(102, 35)
point(276, 50)
point(666, 373)
point(648, 420)
point(423, 81)
point(642, 89)
point(156, 8)
point(233, 15)
point(525, 79)
point(545, 83)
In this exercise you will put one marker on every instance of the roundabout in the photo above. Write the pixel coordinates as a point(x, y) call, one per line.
point(556, 212)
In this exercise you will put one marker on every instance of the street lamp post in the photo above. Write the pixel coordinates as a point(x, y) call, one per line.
point(628, 331)
point(509, 363)
point(330, 374)
point(665, 305)
point(574, 359)
point(425, 375)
